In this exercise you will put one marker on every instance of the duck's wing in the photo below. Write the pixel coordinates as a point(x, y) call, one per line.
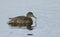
point(21, 17)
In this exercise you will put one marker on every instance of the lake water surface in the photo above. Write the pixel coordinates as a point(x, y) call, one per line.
point(46, 11)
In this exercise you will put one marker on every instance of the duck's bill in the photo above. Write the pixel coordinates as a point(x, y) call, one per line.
point(34, 17)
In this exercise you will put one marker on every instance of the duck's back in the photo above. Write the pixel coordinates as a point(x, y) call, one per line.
point(22, 20)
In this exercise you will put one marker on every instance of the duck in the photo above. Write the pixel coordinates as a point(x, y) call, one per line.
point(22, 21)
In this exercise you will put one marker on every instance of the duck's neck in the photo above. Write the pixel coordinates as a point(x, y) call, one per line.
point(28, 16)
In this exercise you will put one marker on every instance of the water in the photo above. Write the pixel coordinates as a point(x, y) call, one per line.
point(47, 12)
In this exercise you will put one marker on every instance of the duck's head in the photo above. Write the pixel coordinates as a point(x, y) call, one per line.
point(30, 14)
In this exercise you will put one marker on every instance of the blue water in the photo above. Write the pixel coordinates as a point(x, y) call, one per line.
point(46, 11)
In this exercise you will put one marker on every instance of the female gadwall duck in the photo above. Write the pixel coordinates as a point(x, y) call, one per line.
point(22, 20)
